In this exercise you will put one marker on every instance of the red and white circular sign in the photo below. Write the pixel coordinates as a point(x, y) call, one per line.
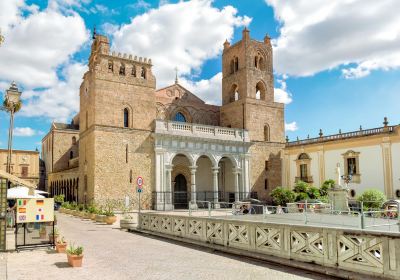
point(139, 181)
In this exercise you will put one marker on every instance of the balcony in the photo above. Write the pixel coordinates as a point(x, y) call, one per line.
point(307, 179)
point(201, 131)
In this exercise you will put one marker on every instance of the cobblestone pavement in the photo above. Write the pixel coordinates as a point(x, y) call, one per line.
point(110, 253)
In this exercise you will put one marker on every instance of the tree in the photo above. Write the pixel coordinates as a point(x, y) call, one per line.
point(372, 199)
point(282, 196)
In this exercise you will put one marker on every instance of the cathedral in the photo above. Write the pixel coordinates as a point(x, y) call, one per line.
point(187, 150)
point(183, 148)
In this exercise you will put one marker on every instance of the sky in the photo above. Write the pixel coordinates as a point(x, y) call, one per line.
point(336, 63)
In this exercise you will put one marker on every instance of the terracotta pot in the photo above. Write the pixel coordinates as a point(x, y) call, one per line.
point(93, 216)
point(74, 260)
point(110, 220)
point(61, 247)
point(87, 215)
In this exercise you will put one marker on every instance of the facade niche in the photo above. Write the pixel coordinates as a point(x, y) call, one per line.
point(126, 117)
point(266, 133)
point(110, 66)
point(133, 71)
point(143, 73)
point(122, 69)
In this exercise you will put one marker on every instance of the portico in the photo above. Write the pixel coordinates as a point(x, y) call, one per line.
point(199, 163)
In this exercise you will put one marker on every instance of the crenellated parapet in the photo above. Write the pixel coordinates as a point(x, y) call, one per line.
point(119, 66)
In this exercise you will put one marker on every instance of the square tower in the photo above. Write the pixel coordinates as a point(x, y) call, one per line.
point(248, 103)
point(117, 112)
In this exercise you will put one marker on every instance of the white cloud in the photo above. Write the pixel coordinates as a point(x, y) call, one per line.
point(36, 45)
point(140, 4)
point(316, 35)
point(208, 90)
point(59, 102)
point(281, 94)
point(291, 126)
point(37, 55)
point(24, 131)
point(186, 43)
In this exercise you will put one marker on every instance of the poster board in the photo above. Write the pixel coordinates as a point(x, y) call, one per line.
point(35, 210)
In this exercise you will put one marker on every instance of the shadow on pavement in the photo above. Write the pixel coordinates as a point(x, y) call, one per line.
point(62, 264)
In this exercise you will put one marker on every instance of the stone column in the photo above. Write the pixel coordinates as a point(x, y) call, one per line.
point(168, 194)
point(236, 183)
point(215, 184)
point(193, 183)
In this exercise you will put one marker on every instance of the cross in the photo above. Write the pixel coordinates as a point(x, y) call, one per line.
point(176, 75)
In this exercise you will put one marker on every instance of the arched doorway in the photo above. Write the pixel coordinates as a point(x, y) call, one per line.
point(180, 192)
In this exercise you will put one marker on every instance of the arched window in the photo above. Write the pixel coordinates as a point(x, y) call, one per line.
point(71, 154)
point(234, 94)
point(133, 71)
point(126, 117)
point(256, 62)
point(122, 69)
point(73, 140)
point(110, 66)
point(143, 73)
point(266, 132)
point(179, 117)
point(260, 91)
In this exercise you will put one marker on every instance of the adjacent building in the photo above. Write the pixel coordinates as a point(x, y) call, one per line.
point(24, 164)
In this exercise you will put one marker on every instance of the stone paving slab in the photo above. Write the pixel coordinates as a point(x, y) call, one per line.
point(114, 254)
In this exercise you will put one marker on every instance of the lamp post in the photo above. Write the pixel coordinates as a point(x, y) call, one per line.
point(12, 104)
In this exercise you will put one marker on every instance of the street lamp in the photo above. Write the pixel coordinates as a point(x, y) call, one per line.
point(12, 103)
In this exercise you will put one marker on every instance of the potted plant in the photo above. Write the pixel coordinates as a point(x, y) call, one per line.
point(92, 212)
point(61, 245)
point(110, 217)
point(42, 232)
point(54, 235)
point(100, 216)
point(75, 255)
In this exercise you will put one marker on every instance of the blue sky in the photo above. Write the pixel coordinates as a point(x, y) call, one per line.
point(332, 67)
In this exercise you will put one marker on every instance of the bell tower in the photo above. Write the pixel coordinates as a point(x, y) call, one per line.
point(248, 103)
point(248, 89)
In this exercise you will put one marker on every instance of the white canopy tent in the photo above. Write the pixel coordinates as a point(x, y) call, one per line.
point(23, 192)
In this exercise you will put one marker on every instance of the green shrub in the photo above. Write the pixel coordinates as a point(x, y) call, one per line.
point(313, 192)
point(59, 198)
point(328, 184)
point(372, 199)
point(301, 187)
point(77, 251)
point(282, 196)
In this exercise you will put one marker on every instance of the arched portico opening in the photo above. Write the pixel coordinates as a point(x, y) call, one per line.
point(228, 179)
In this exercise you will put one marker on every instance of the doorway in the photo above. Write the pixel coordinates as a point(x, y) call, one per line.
point(180, 192)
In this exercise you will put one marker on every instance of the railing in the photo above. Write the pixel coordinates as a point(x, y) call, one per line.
point(338, 136)
point(330, 250)
point(200, 130)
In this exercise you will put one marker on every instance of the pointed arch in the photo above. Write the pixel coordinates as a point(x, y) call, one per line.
point(261, 90)
point(234, 94)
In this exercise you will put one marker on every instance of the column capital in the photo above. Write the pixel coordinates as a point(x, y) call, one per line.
point(193, 169)
point(215, 170)
point(236, 170)
point(168, 167)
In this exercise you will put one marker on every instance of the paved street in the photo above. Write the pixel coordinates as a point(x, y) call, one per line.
point(114, 254)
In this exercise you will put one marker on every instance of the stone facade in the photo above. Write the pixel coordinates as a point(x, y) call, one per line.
point(127, 129)
point(24, 164)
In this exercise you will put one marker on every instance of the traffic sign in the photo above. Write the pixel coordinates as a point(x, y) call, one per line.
point(139, 182)
point(139, 190)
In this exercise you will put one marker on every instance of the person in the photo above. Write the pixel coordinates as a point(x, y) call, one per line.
point(10, 213)
point(245, 210)
point(279, 210)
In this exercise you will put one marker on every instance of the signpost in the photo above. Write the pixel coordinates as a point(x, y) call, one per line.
point(139, 182)
point(35, 216)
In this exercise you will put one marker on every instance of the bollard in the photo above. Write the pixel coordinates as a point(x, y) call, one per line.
point(362, 216)
point(398, 214)
point(305, 213)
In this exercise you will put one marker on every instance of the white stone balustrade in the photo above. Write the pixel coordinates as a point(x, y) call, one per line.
point(342, 252)
point(200, 130)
